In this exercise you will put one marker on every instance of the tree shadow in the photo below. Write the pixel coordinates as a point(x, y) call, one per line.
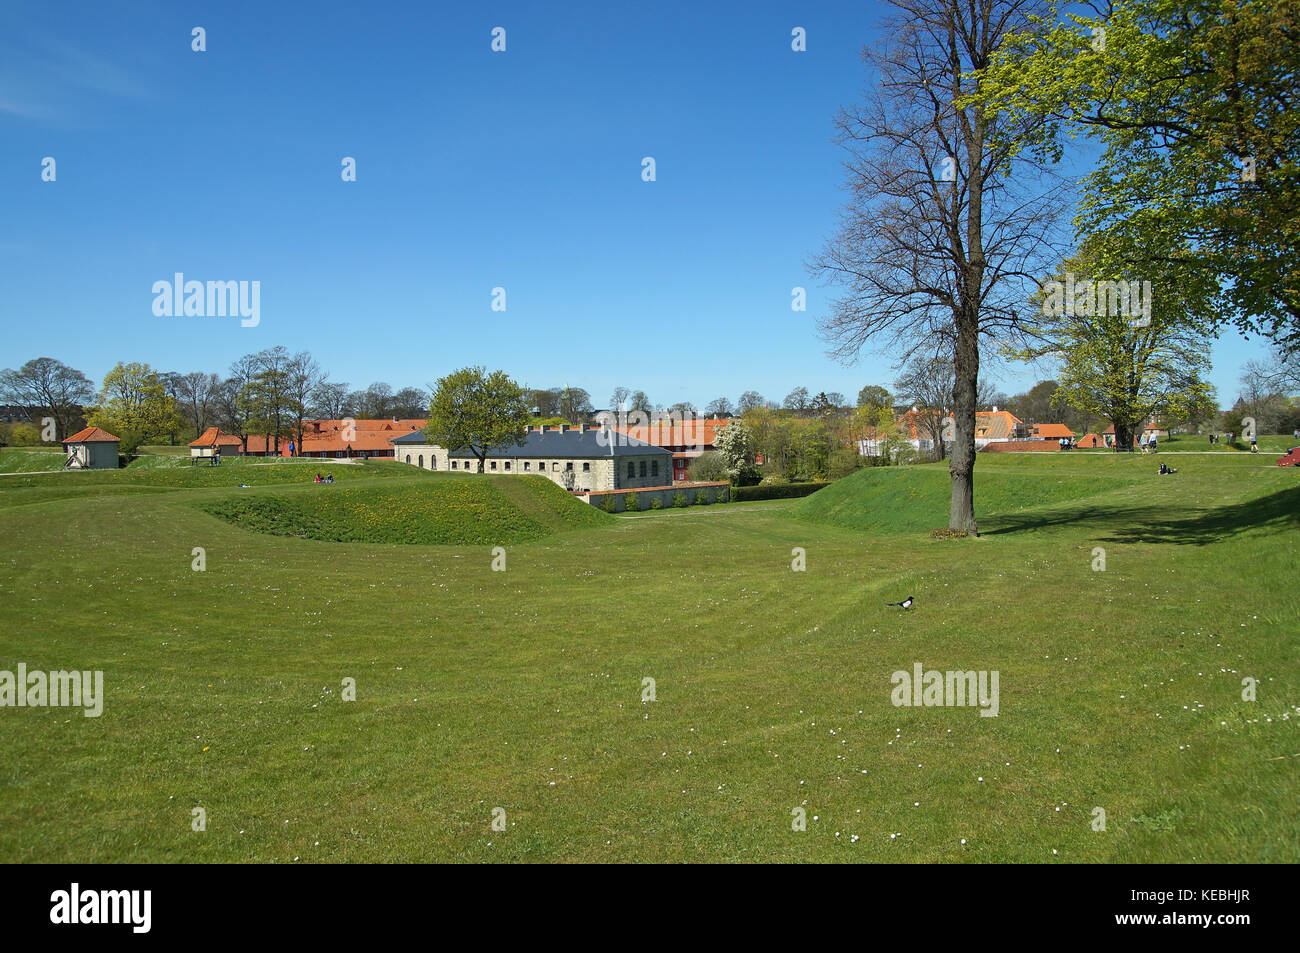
point(1149, 524)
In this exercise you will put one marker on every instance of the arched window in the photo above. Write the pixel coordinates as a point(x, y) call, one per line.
point(408, 458)
point(631, 470)
point(433, 461)
point(421, 461)
point(654, 467)
point(643, 468)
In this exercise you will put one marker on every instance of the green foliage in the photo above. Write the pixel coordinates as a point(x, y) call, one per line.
point(608, 503)
point(701, 497)
point(657, 503)
point(477, 411)
point(786, 491)
point(134, 406)
point(1124, 367)
point(1196, 104)
point(679, 498)
point(709, 467)
point(631, 503)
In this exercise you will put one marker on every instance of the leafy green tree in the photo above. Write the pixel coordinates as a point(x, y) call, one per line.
point(134, 405)
point(477, 411)
point(1118, 362)
point(1197, 105)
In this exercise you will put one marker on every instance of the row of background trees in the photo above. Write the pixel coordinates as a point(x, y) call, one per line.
point(804, 436)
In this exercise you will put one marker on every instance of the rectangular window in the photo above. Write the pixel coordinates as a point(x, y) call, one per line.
point(568, 467)
point(507, 464)
point(586, 468)
point(555, 467)
point(654, 467)
point(631, 470)
point(643, 468)
point(494, 464)
point(453, 464)
point(527, 466)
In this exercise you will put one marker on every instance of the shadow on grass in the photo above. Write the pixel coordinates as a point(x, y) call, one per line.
point(1149, 524)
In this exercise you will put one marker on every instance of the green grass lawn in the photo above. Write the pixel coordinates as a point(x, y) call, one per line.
point(30, 459)
point(522, 689)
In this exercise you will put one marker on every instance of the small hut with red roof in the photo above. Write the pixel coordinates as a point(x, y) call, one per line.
point(91, 449)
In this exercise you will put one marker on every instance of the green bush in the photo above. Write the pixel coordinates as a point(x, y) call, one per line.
point(657, 504)
point(631, 503)
point(783, 491)
point(702, 497)
point(773, 479)
point(679, 499)
point(607, 503)
point(708, 468)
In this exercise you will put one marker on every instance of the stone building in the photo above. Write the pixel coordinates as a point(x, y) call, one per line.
point(577, 458)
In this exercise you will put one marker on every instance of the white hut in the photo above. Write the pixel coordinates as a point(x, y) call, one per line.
point(91, 449)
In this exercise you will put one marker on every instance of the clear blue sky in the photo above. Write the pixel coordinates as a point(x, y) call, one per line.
point(475, 170)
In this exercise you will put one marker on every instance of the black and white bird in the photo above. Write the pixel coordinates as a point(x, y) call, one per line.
point(906, 603)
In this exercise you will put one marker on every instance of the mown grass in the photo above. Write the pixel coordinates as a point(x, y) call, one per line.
point(522, 689)
point(29, 459)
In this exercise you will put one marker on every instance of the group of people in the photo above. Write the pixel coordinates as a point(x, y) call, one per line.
point(1065, 443)
point(327, 478)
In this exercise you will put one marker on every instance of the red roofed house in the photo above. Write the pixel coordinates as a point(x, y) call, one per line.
point(91, 449)
point(213, 443)
point(1050, 432)
point(1091, 440)
point(337, 438)
point(686, 439)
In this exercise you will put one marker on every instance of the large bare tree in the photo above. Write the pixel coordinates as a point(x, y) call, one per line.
point(950, 216)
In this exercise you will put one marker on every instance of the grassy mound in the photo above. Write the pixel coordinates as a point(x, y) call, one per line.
point(441, 510)
point(254, 471)
point(914, 499)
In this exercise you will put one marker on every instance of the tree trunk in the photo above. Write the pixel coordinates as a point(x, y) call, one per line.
point(966, 357)
point(1123, 436)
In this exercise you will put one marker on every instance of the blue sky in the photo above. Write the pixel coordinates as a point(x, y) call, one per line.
point(475, 170)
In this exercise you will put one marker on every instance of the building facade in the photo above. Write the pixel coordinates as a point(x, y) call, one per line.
point(580, 459)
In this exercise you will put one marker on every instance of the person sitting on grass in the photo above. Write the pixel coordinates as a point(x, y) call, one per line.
point(1166, 469)
point(329, 478)
point(319, 479)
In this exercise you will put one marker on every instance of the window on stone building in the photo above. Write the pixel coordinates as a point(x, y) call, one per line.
point(586, 468)
point(494, 464)
point(643, 468)
point(631, 470)
point(408, 460)
point(654, 467)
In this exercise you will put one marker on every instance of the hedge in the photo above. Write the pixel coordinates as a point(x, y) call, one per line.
point(779, 491)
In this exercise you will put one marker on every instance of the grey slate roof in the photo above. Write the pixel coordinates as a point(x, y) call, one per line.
point(554, 443)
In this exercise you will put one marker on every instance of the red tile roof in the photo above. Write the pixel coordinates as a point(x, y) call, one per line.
point(213, 437)
point(92, 435)
point(1051, 431)
point(1091, 440)
point(327, 436)
point(690, 433)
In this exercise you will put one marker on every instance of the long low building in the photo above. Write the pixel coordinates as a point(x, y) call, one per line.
point(579, 459)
